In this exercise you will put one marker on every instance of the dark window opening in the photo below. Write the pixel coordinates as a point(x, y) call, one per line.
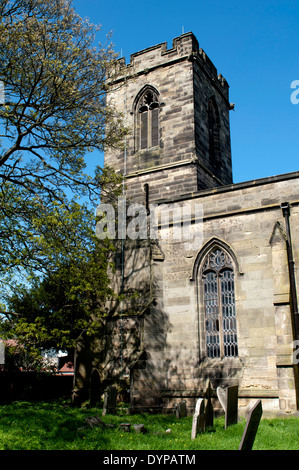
point(148, 121)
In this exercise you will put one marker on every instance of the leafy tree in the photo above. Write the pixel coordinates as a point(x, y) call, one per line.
point(69, 296)
point(17, 358)
point(55, 113)
point(55, 311)
point(55, 88)
point(37, 235)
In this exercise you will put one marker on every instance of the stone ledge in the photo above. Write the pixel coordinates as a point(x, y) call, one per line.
point(258, 393)
point(238, 186)
point(242, 393)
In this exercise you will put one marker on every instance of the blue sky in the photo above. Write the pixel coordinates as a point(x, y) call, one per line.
point(254, 45)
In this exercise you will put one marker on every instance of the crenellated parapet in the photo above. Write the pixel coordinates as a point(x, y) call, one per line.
point(184, 47)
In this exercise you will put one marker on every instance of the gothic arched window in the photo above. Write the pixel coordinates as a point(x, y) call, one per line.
point(147, 117)
point(217, 277)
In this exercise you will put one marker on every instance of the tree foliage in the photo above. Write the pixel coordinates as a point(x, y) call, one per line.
point(55, 88)
point(55, 113)
point(67, 295)
point(56, 310)
point(38, 234)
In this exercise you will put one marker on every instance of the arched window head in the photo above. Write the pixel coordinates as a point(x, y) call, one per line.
point(213, 127)
point(147, 120)
point(217, 278)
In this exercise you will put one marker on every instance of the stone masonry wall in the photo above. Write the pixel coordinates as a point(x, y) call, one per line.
point(246, 217)
point(185, 79)
point(243, 216)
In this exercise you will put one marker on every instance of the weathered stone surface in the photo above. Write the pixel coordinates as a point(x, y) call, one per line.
point(109, 406)
point(181, 410)
point(95, 421)
point(199, 418)
point(231, 414)
point(126, 427)
point(221, 394)
point(251, 427)
point(168, 322)
point(140, 428)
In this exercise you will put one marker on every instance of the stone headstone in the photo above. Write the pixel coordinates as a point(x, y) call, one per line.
point(198, 423)
point(181, 410)
point(221, 394)
point(231, 415)
point(139, 428)
point(110, 400)
point(251, 427)
point(228, 398)
point(126, 427)
point(209, 410)
point(94, 421)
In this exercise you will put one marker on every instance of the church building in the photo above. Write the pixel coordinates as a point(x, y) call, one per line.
point(221, 304)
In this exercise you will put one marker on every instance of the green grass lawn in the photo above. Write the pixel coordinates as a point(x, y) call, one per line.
point(54, 426)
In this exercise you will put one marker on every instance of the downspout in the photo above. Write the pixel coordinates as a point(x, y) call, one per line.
point(285, 206)
point(122, 240)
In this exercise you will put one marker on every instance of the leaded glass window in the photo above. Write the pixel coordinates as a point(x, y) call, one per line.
point(148, 120)
point(219, 304)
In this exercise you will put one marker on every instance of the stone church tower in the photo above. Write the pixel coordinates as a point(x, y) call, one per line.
point(223, 307)
point(178, 110)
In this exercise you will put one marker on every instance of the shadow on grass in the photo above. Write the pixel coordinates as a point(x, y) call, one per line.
point(57, 426)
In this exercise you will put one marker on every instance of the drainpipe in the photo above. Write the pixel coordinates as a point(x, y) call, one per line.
point(285, 206)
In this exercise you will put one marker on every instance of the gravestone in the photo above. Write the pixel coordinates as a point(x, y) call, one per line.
point(209, 410)
point(139, 428)
point(94, 421)
point(228, 398)
point(126, 427)
point(251, 427)
point(221, 394)
point(181, 410)
point(231, 416)
point(198, 423)
point(109, 400)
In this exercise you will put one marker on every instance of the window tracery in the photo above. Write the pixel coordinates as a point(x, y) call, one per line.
point(147, 131)
point(219, 304)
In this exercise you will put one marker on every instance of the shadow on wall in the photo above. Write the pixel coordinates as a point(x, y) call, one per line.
point(187, 378)
point(131, 350)
point(134, 326)
point(149, 373)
